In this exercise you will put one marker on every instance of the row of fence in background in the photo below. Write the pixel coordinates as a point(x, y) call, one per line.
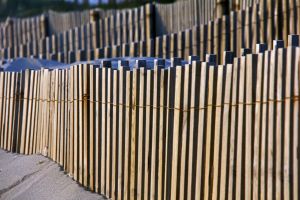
point(60, 22)
point(172, 17)
point(195, 131)
point(241, 30)
point(166, 18)
point(15, 32)
point(175, 17)
point(180, 15)
point(124, 27)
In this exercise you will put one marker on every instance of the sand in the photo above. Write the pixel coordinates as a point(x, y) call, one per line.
point(37, 177)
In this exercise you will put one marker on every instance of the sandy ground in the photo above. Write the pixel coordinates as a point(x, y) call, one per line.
point(35, 177)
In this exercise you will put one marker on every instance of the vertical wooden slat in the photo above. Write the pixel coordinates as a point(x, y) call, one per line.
point(113, 132)
point(139, 129)
point(251, 65)
point(199, 176)
point(7, 106)
point(92, 131)
point(264, 123)
point(240, 130)
point(11, 111)
point(71, 120)
point(257, 188)
point(183, 130)
point(32, 119)
point(209, 132)
point(80, 123)
point(103, 131)
point(3, 143)
point(127, 127)
point(160, 189)
point(120, 134)
point(107, 132)
point(132, 140)
point(166, 105)
point(37, 113)
point(2, 83)
point(221, 72)
point(74, 71)
point(194, 95)
point(85, 122)
point(62, 118)
point(23, 137)
point(154, 131)
point(271, 131)
point(54, 113)
point(44, 147)
point(66, 117)
point(279, 95)
point(146, 132)
point(42, 116)
point(18, 101)
point(288, 129)
point(97, 126)
point(225, 130)
point(296, 117)
point(173, 140)
point(58, 115)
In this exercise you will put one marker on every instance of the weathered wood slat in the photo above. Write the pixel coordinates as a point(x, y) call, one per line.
point(226, 135)
point(218, 131)
point(139, 128)
point(296, 118)
point(11, 108)
point(280, 90)
point(103, 130)
point(23, 132)
point(127, 119)
point(113, 132)
point(120, 133)
point(80, 123)
point(98, 139)
point(92, 126)
point(257, 127)
point(288, 128)
point(74, 71)
point(2, 103)
point(133, 139)
point(7, 112)
point(199, 177)
point(270, 128)
point(107, 131)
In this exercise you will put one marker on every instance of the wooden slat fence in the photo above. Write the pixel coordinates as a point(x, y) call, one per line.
point(193, 131)
point(241, 30)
